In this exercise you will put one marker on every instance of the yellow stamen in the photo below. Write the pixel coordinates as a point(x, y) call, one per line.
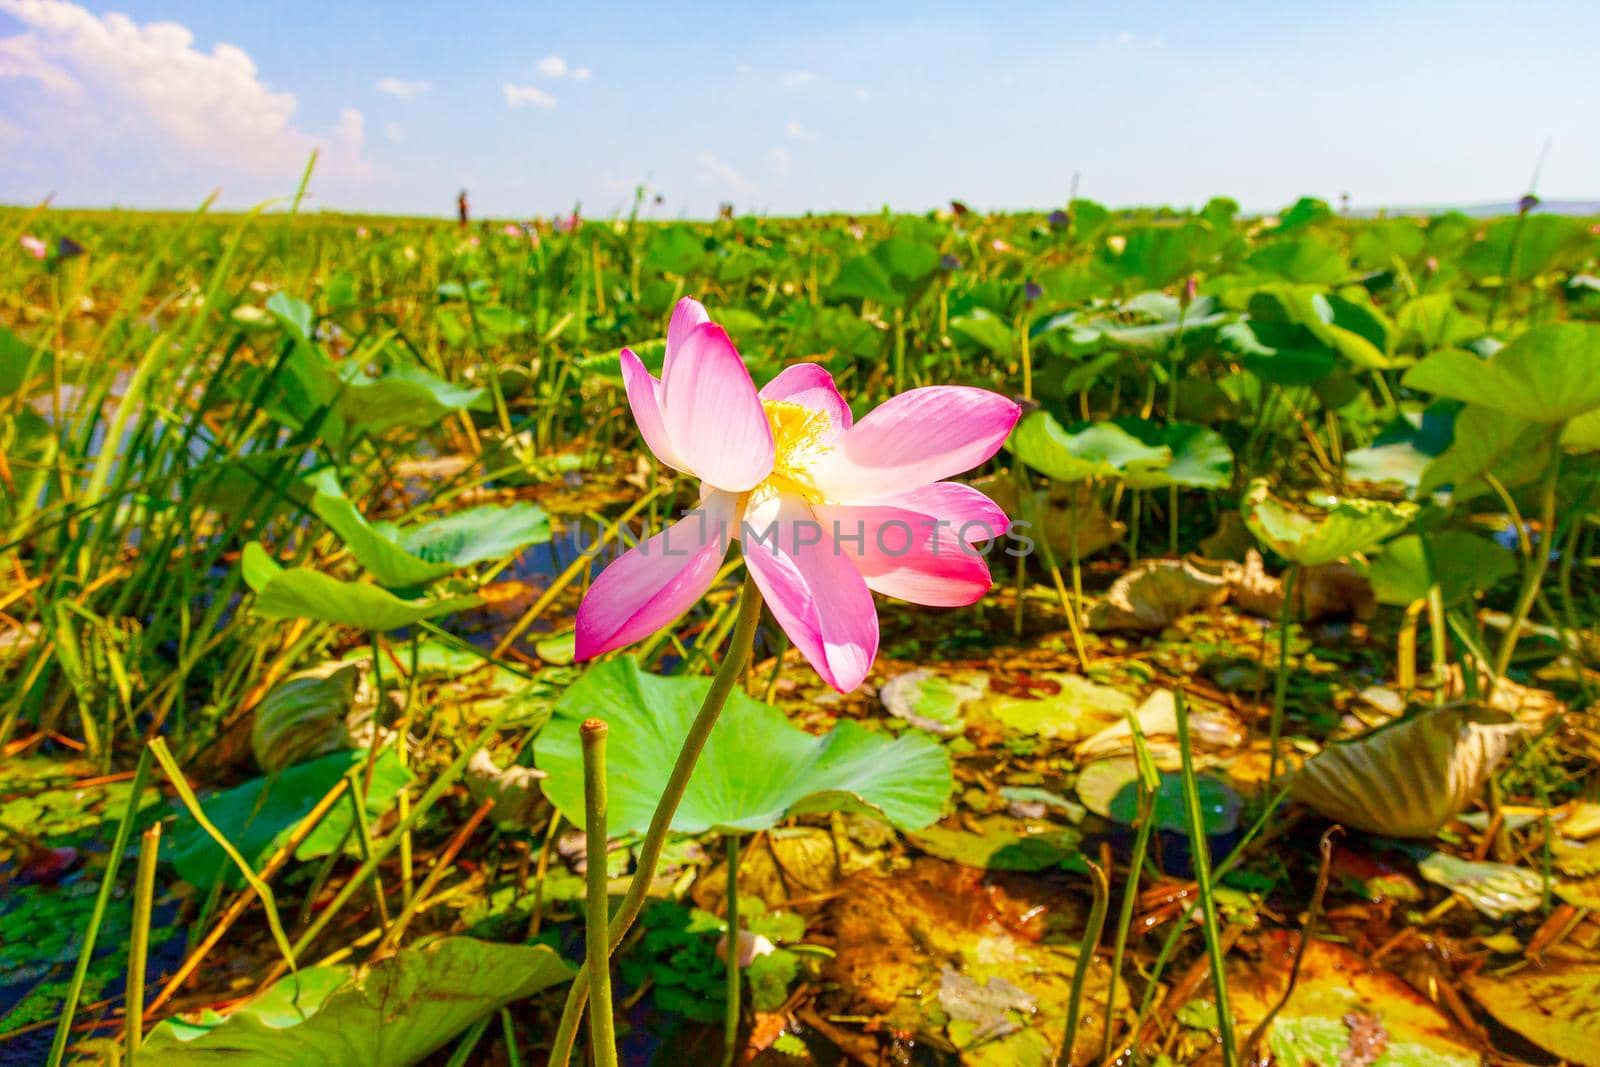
point(798, 436)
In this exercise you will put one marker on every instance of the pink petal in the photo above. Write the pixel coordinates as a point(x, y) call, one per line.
point(810, 386)
point(688, 314)
point(917, 547)
point(644, 397)
point(918, 437)
point(814, 590)
point(713, 416)
point(651, 584)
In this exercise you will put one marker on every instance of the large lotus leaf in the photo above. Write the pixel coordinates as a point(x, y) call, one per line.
point(391, 1013)
point(1549, 374)
point(1512, 449)
point(1433, 321)
point(1201, 459)
point(412, 556)
point(302, 593)
point(259, 815)
point(1325, 535)
point(1343, 1009)
point(1300, 321)
point(1146, 321)
point(1099, 450)
point(1383, 241)
point(1552, 1005)
point(1407, 778)
point(1305, 260)
point(1159, 255)
point(405, 396)
point(1519, 250)
point(756, 770)
point(1462, 563)
point(987, 330)
point(895, 273)
point(1403, 449)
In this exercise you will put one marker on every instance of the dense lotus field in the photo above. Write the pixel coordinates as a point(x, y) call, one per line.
point(1077, 638)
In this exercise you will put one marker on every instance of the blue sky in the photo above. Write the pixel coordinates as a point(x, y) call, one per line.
point(787, 107)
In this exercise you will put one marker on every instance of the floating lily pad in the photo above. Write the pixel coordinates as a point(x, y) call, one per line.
point(933, 700)
point(756, 769)
point(387, 1014)
point(1001, 843)
point(1496, 889)
point(1078, 707)
point(1342, 1010)
point(1553, 1006)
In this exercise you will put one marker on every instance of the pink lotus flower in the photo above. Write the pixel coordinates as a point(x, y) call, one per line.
point(33, 246)
point(828, 512)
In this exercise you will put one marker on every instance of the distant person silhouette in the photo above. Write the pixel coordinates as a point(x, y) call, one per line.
point(461, 206)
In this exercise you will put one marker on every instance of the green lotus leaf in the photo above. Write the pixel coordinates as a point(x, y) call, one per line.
point(1146, 321)
point(756, 770)
point(303, 593)
point(257, 816)
point(1462, 563)
point(1550, 374)
point(1325, 535)
point(1488, 442)
point(1402, 451)
point(1100, 450)
point(412, 556)
point(1201, 459)
point(391, 1013)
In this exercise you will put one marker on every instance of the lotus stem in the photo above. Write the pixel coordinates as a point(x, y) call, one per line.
point(602, 1029)
point(1536, 566)
point(139, 937)
point(1201, 851)
point(655, 837)
point(1280, 686)
point(730, 1018)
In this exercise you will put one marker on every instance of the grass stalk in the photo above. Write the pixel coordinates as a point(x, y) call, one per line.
point(139, 940)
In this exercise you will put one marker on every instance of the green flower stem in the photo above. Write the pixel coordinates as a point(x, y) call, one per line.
point(1536, 566)
point(1280, 687)
point(602, 1029)
point(1130, 897)
point(144, 891)
point(1201, 852)
point(730, 1017)
point(655, 837)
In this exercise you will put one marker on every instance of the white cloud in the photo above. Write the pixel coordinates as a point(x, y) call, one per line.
point(352, 129)
point(736, 183)
point(127, 75)
point(798, 132)
point(552, 67)
point(528, 96)
point(20, 57)
point(743, 68)
point(797, 78)
point(861, 94)
point(402, 88)
point(581, 74)
point(780, 160)
point(1124, 38)
point(394, 132)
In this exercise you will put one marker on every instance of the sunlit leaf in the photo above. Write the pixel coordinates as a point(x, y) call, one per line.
point(1549, 374)
point(1311, 536)
point(303, 593)
point(756, 770)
